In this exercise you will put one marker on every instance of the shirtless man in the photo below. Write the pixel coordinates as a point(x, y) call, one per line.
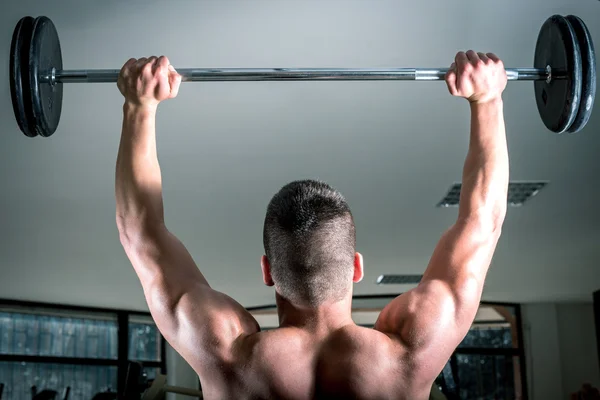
point(309, 238)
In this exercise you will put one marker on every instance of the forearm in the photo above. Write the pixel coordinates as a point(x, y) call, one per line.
point(138, 180)
point(485, 175)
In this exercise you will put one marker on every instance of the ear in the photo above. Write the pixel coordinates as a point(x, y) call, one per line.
point(358, 268)
point(266, 271)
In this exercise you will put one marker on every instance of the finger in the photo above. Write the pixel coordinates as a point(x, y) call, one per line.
point(139, 64)
point(461, 59)
point(493, 57)
point(483, 57)
point(451, 79)
point(126, 67)
point(129, 63)
point(163, 62)
point(472, 56)
point(151, 64)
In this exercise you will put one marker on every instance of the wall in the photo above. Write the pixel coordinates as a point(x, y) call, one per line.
point(560, 349)
point(579, 356)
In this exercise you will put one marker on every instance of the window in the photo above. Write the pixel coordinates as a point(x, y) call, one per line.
point(84, 380)
point(146, 344)
point(55, 347)
point(488, 364)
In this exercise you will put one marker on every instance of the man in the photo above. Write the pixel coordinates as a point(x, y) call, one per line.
point(309, 238)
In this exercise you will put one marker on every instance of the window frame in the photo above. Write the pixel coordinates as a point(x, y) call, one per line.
point(122, 319)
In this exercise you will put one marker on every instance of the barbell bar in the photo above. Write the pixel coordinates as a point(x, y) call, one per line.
point(295, 74)
point(564, 75)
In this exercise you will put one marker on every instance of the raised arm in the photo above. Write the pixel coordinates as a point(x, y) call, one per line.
point(432, 319)
point(199, 322)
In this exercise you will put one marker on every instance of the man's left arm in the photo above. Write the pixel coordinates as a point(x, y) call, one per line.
point(199, 322)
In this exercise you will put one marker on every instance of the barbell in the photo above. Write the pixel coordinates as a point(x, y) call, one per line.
point(564, 75)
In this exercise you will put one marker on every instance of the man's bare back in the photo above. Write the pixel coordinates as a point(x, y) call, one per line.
point(349, 363)
point(317, 352)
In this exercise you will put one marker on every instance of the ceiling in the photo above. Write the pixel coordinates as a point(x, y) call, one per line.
point(393, 148)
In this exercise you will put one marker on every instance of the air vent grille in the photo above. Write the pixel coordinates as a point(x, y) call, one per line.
point(518, 193)
point(398, 279)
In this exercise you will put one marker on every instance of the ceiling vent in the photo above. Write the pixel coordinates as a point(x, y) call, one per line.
point(518, 193)
point(398, 279)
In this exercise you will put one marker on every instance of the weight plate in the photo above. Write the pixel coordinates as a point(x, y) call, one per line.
point(558, 101)
point(44, 55)
point(588, 66)
point(19, 76)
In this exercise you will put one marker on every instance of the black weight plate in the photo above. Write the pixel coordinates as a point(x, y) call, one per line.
point(45, 55)
point(588, 67)
point(19, 75)
point(558, 101)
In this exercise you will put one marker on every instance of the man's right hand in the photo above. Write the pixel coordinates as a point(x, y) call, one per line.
point(148, 81)
point(477, 77)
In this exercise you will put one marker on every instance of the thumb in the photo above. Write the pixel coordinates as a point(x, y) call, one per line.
point(451, 80)
point(174, 81)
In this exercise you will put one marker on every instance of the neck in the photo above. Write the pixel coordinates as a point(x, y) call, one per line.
point(317, 320)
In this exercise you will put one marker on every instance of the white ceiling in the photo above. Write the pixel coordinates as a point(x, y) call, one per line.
point(392, 148)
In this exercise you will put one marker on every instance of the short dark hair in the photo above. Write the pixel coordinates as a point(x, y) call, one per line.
point(310, 241)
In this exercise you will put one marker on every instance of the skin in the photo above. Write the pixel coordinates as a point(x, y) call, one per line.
point(317, 353)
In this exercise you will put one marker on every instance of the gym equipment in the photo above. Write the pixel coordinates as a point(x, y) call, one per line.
point(137, 387)
point(45, 395)
point(558, 101)
point(134, 382)
point(564, 67)
point(588, 79)
point(20, 93)
point(159, 389)
point(105, 396)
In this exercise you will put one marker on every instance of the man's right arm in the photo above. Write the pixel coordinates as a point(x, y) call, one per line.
point(432, 319)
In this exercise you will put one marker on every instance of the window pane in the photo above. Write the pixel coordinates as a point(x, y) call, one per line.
point(494, 327)
point(490, 336)
point(85, 381)
point(488, 377)
point(144, 339)
point(61, 335)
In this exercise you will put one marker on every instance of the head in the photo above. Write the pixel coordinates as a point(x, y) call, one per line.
point(310, 243)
